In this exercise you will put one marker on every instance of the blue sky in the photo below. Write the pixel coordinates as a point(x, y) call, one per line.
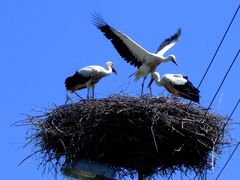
point(43, 42)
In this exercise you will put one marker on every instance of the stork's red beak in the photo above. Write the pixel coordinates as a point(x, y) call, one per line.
point(114, 70)
point(175, 62)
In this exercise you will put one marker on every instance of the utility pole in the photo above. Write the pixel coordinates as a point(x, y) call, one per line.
point(140, 176)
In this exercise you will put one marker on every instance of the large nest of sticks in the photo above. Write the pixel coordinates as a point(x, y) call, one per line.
point(149, 135)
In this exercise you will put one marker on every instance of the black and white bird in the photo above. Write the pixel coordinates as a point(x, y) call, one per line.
point(133, 53)
point(87, 77)
point(178, 85)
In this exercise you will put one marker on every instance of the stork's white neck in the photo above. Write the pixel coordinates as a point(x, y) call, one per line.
point(158, 79)
point(166, 59)
point(108, 70)
point(160, 59)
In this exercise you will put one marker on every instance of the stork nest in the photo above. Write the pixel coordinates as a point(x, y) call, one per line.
point(148, 135)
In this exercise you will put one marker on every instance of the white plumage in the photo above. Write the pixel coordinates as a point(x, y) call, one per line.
point(87, 77)
point(135, 54)
point(177, 84)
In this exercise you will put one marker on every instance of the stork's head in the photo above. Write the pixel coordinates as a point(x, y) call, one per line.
point(156, 76)
point(173, 59)
point(110, 64)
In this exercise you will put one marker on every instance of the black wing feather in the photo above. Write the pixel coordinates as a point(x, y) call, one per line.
point(75, 80)
point(119, 45)
point(185, 77)
point(188, 91)
point(170, 40)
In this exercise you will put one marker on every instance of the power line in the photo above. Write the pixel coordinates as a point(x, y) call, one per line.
point(224, 78)
point(230, 67)
point(214, 55)
point(222, 130)
point(230, 157)
point(219, 46)
point(235, 107)
point(220, 85)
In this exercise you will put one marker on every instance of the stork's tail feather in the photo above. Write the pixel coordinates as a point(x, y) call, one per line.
point(193, 93)
point(192, 96)
point(188, 91)
point(69, 83)
point(195, 98)
point(72, 82)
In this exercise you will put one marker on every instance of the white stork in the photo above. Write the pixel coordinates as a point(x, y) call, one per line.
point(87, 77)
point(133, 53)
point(178, 85)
